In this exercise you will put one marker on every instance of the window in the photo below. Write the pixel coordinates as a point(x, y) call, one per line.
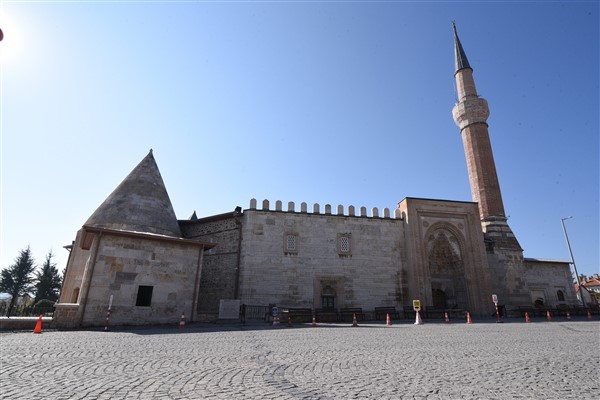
point(290, 243)
point(344, 243)
point(144, 296)
point(560, 295)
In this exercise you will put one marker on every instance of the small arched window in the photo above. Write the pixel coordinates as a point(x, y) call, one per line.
point(560, 295)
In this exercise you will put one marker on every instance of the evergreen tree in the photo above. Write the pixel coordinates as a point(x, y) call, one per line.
point(48, 281)
point(17, 279)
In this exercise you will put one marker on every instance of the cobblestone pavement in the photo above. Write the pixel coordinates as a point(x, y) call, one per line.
point(542, 360)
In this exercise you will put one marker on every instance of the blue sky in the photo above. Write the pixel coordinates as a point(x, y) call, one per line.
point(319, 102)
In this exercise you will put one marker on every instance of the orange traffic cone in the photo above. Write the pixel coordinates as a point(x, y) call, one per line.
point(38, 326)
point(548, 316)
point(469, 321)
point(568, 316)
point(527, 320)
point(182, 321)
point(388, 320)
point(314, 321)
point(446, 319)
point(589, 315)
point(354, 322)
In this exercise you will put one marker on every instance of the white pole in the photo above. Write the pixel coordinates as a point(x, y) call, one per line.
point(572, 259)
point(108, 312)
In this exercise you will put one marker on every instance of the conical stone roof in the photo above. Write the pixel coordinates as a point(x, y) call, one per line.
point(139, 204)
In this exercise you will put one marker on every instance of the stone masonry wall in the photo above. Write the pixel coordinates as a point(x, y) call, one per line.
point(75, 269)
point(367, 276)
point(125, 263)
point(545, 278)
point(219, 266)
point(505, 259)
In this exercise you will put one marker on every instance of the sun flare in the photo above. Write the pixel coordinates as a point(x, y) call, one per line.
point(12, 40)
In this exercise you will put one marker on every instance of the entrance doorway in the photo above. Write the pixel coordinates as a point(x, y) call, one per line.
point(447, 272)
point(439, 299)
point(328, 298)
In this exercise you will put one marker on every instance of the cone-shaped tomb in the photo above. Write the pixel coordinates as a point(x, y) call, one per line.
point(139, 204)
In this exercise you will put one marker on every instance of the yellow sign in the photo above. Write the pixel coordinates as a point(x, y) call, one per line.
point(417, 305)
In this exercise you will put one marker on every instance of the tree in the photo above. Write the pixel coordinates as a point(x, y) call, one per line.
point(17, 279)
point(48, 281)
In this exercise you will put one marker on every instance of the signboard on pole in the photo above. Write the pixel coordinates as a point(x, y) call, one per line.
point(495, 299)
point(417, 305)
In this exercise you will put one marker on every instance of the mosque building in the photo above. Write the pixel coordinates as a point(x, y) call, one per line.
point(134, 254)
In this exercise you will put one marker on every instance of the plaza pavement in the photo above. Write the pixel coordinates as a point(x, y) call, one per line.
point(514, 360)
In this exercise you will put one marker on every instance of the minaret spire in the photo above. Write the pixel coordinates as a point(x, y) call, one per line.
point(460, 58)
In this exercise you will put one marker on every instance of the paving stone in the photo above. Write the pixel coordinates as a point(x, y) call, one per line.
point(556, 360)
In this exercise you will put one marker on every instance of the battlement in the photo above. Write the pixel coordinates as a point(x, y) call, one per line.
point(316, 209)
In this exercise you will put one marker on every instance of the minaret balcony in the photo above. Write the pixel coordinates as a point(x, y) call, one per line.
point(470, 111)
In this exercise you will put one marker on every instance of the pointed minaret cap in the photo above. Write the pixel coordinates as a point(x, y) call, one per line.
point(139, 204)
point(460, 58)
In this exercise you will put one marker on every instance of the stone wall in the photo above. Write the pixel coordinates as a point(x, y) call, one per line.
point(219, 267)
point(505, 259)
point(356, 258)
point(74, 274)
point(545, 278)
point(124, 264)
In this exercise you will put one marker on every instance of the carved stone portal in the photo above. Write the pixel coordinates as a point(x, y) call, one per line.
point(447, 271)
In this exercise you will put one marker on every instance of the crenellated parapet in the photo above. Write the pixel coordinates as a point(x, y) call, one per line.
point(327, 210)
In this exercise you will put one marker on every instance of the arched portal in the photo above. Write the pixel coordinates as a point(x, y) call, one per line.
point(446, 268)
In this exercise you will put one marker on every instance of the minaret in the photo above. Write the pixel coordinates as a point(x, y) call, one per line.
point(505, 255)
point(470, 114)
